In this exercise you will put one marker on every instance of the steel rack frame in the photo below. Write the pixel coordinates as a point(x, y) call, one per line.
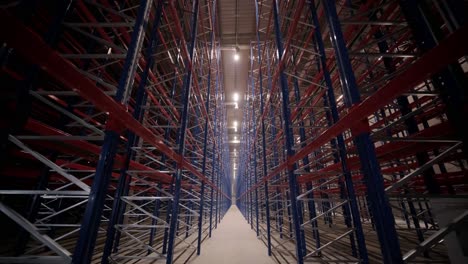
point(116, 140)
point(362, 136)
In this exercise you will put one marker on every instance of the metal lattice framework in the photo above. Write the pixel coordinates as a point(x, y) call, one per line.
point(352, 129)
point(116, 140)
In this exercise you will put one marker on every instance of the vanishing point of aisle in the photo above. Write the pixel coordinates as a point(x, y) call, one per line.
point(233, 242)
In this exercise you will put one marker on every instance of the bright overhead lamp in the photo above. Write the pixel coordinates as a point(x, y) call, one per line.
point(236, 54)
point(235, 97)
point(235, 123)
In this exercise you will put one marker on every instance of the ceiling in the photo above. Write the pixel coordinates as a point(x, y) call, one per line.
point(236, 24)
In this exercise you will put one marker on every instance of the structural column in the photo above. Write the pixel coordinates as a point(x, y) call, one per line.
point(379, 205)
point(288, 133)
point(92, 216)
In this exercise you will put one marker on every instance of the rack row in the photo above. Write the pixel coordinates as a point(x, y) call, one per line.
point(354, 148)
point(113, 143)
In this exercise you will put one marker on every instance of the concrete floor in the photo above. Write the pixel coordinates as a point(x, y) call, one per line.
point(233, 242)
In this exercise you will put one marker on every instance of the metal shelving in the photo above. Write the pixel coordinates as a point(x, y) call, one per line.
point(351, 132)
point(116, 141)
point(115, 144)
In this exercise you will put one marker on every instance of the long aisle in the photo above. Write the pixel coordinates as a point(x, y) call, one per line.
point(233, 242)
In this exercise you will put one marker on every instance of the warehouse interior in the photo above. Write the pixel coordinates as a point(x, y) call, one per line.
point(234, 131)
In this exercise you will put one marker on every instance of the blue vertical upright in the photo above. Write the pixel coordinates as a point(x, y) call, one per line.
point(92, 216)
point(278, 205)
point(379, 207)
point(262, 108)
point(305, 162)
point(205, 136)
point(254, 133)
point(293, 186)
point(214, 169)
point(163, 158)
point(124, 181)
point(181, 138)
point(340, 141)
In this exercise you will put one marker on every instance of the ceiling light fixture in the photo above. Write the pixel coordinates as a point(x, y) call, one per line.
point(236, 54)
point(235, 96)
